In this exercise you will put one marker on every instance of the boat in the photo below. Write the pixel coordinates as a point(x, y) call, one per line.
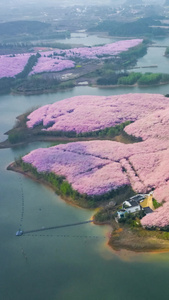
point(19, 232)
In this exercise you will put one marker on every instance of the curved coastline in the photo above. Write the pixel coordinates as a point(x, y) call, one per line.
point(121, 237)
point(76, 84)
point(145, 242)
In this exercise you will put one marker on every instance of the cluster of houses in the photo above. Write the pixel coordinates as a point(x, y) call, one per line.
point(137, 203)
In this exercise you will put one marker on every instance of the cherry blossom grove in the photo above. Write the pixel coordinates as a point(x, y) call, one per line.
point(96, 167)
point(154, 125)
point(97, 51)
point(58, 60)
point(11, 65)
point(90, 113)
point(52, 64)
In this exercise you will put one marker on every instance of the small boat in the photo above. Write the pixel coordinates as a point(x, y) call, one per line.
point(19, 232)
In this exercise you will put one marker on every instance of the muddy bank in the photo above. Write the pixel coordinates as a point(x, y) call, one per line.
point(137, 240)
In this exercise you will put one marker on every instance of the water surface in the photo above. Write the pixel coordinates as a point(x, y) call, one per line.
point(82, 38)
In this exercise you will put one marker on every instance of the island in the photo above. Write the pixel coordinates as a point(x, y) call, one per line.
point(45, 69)
point(106, 173)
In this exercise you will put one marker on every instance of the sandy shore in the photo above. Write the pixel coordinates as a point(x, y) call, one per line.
point(137, 241)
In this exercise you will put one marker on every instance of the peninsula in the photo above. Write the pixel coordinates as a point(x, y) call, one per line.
point(94, 173)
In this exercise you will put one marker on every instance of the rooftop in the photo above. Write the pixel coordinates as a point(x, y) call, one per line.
point(148, 210)
point(133, 203)
point(138, 197)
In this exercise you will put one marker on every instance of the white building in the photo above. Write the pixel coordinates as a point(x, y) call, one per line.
point(135, 204)
point(131, 206)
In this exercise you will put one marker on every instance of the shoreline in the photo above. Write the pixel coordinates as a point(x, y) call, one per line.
point(127, 85)
point(125, 238)
point(6, 144)
point(121, 238)
point(41, 92)
point(35, 135)
point(14, 168)
point(52, 91)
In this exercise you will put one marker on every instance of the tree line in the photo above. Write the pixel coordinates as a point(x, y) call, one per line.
point(29, 66)
point(128, 78)
point(108, 132)
point(63, 187)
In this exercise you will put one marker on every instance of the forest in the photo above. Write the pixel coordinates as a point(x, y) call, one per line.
point(141, 27)
point(24, 31)
point(131, 78)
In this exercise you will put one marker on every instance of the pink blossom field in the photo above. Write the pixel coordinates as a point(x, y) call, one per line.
point(13, 65)
point(154, 125)
point(58, 60)
point(98, 51)
point(91, 113)
point(97, 167)
point(52, 64)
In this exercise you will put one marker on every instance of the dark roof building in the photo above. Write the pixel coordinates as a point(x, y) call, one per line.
point(147, 210)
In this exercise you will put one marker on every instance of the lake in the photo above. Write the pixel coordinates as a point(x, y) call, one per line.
point(155, 57)
point(69, 263)
point(82, 38)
